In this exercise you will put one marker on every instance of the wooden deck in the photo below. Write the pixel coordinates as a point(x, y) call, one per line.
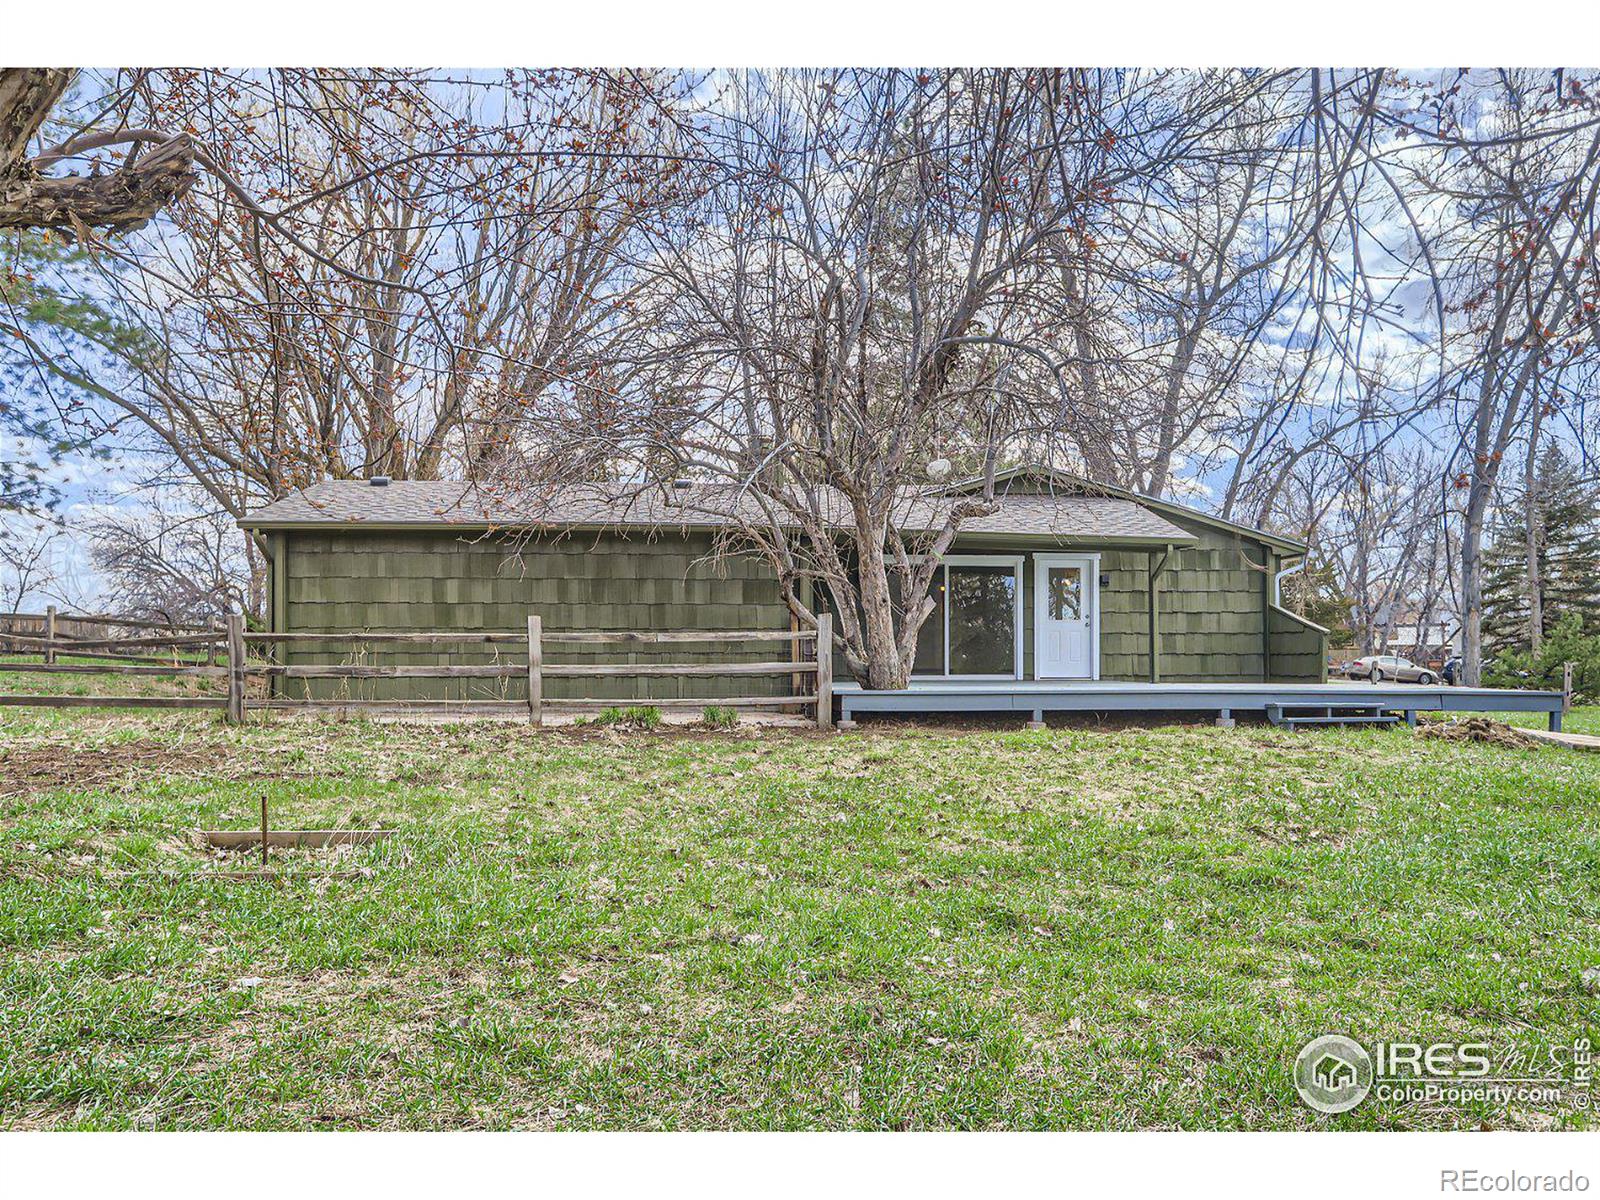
point(1286, 703)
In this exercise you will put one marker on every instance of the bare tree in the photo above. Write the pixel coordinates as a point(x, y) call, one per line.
point(1230, 235)
point(121, 199)
point(1385, 534)
point(841, 307)
point(1523, 169)
point(168, 561)
point(29, 559)
point(376, 272)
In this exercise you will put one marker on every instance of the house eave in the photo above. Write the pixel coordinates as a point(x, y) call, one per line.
point(1023, 541)
point(1052, 541)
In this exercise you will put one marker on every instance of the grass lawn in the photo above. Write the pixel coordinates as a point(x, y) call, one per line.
point(906, 928)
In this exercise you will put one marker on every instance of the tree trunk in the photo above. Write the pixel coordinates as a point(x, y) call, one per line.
point(1535, 532)
point(26, 97)
point(1167, 439)
point(885, 667)
point(1472, 582)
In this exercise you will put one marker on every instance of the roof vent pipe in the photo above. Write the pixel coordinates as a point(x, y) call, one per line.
point(379, 481)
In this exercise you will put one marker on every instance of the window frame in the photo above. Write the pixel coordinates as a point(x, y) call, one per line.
point(1015, 562)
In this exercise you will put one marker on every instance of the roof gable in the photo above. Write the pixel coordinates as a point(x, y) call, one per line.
point(1060, 482)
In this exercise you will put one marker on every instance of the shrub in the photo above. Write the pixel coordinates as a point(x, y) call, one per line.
point(717, 716)
point(632, 716)
point(1516, 668)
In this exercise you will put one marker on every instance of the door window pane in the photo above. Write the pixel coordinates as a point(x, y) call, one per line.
point(1066, 593)
point(983, 620)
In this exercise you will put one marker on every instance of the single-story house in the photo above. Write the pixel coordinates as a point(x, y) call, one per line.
point(1067, 581)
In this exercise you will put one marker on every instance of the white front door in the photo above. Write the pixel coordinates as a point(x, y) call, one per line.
point(1066, 616)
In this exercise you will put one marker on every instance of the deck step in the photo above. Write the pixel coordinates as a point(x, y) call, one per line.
point(1291, 716)
point(1365, 719)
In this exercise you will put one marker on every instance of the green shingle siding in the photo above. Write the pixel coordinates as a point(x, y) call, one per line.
point(419, 581)
point(1299, 651)
point(1214, 613)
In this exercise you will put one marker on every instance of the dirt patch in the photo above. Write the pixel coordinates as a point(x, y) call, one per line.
point(1475, 729)
point(28, 769)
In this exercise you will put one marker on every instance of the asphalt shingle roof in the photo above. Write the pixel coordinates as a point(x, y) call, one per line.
point(413, 503)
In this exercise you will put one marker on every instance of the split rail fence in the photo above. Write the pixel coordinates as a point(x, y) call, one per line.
point(809, 663)
point(68, 644)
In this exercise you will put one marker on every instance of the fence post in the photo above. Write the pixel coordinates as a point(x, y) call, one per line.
point(535, 669)
point(235, 668)
point(824, 670)
point(1566, 687)
point(50, 635)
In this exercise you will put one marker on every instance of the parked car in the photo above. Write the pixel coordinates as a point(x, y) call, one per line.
point(1452, 671)
point(1380, 667)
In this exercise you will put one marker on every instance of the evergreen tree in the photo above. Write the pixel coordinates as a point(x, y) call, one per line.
point(41, 286)
point(1566, 515)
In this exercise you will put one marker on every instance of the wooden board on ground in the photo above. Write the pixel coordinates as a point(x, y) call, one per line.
point(1573, 741)
point(245, 839)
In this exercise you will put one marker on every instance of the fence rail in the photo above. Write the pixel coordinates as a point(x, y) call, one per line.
point(56, 636)
point(811, 660)
point(819, 665)
point(93, 619)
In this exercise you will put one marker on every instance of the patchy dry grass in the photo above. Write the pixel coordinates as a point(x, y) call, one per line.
point(1078, 928)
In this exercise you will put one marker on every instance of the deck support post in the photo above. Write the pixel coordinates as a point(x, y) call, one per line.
point(1038, 719)
point(846, 718)
point(1225, 719)
point(1555, 720)
point(1411, 717)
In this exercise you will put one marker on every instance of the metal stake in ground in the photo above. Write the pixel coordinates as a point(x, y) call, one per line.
point(263, 829)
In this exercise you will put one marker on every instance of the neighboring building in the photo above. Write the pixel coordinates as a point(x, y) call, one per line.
point(1428, 642)
point(1056, 585)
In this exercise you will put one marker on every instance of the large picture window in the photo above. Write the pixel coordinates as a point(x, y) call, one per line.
point(975, 628)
